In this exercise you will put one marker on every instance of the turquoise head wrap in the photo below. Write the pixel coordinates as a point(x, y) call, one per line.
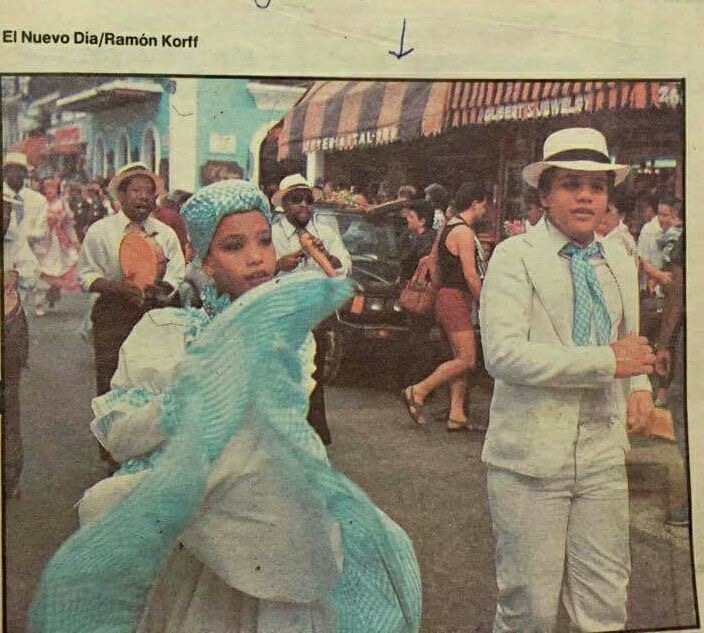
point(209, 205)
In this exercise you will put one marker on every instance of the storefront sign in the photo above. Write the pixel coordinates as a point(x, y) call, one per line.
point(370, 138)
point(668, 95)
point(537, 109)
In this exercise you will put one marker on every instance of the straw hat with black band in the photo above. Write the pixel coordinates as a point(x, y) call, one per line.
point(130, 171)
point(290, 183)
point(577, 148)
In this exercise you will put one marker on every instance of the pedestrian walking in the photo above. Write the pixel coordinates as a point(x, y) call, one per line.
point(20, 274)
point(461, 267)
point(30, 214)
point(419, 220)
point(57, 250)
point(295, 196)
point(670, 364)
point(558, 314)
point(225, 514)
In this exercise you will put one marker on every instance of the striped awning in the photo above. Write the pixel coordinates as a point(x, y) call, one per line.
point(339, 115)
point(483, 102)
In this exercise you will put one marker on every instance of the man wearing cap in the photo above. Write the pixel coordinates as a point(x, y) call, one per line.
point(121, 304)
point(30, 212)
point(295, 196)
point(559, 322)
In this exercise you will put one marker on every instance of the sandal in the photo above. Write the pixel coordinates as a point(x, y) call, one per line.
point(415, 409)
point(463, 425)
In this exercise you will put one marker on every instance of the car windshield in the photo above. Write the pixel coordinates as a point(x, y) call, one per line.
point(368, 238)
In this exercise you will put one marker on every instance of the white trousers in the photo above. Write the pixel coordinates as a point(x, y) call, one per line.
point(567, 535)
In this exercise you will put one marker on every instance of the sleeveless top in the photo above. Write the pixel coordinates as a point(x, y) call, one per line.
point(451, 275)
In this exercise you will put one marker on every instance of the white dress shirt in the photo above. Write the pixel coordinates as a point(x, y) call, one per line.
point(648, 249)
point(18, 256)
point(621, 235)
point(34, 205)
point(286, 241)
point(99, 255)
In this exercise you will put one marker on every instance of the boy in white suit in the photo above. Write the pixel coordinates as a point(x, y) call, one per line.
point(559, 313)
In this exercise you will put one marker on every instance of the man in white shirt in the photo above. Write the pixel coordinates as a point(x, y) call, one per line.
point(122, 304)
point(29, 217)
point(20, 273)
point(295, 195)
point(558, 310)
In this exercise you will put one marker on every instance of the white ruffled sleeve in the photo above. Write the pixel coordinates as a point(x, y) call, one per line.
point(127, 417)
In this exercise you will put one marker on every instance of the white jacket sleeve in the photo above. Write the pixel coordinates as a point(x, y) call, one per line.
point(505, 314)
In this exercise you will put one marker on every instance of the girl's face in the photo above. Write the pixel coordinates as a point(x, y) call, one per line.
point(241, 255)
point(51, 189)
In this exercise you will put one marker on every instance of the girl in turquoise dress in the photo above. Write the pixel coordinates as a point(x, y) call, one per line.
point(225, 515)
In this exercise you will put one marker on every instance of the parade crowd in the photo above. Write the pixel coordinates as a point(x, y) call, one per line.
point(221, 511)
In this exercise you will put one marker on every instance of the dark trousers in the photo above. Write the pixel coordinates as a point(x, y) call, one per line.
point(651, 308)
point(15, 346)
point(113, 321)
point(317, 417)
point(677, 399)
point(12, 451)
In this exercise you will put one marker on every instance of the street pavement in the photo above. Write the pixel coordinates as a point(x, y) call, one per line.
point(429, 481)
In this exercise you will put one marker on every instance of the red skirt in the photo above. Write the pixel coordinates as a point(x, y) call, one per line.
point(453, 310)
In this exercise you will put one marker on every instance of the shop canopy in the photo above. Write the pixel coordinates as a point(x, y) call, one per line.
point(338, 115)
point(483, 102)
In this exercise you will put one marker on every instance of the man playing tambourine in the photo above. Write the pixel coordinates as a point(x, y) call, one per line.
point(126, 295)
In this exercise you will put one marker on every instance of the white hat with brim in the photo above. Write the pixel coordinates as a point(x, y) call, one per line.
point(16, 158)
point(289, 183)
point(130, 171)
point(577, 148)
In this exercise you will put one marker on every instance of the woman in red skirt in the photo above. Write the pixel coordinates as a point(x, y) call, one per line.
point(461, 266)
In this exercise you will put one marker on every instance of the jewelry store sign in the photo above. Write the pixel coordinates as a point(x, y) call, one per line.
point(668, 95)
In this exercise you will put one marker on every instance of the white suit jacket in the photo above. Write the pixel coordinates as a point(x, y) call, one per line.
point(541, 376)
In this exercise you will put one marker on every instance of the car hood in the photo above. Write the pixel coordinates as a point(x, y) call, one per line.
point(376, 277)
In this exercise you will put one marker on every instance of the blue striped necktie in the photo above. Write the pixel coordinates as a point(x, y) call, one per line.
point(589, 300)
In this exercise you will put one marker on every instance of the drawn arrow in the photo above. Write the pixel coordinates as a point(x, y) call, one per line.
point(401, 53)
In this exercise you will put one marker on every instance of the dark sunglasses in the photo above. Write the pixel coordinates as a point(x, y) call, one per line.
point(298, 197)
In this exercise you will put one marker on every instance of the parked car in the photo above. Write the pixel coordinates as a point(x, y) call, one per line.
point(372, 325)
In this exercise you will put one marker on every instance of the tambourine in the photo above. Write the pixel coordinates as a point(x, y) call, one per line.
point(142, 260)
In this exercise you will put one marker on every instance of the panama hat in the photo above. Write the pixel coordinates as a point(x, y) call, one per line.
point(16, 158)
point(294, 181)
point(130, 171)
point(579, 148)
